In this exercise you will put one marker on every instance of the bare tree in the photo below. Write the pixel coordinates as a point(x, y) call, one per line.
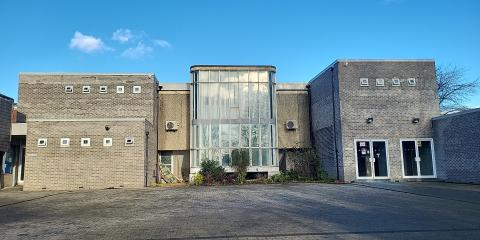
point(453, 88)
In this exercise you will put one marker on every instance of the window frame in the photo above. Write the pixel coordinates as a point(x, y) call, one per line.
point(120, 89)
point(137, 89)
point(381, 83)
point(85, 145)
point(410, 83)
point(132, 139)
point(42, 145)
point(86, 88)
point(65, 145)
point(364, 82)
point(105, 144)
point(103, 89)
point(69, 86)
point(396, 82)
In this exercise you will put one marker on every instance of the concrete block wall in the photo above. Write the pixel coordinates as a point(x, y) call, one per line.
point(457, 146)
point(391, 107)
point(174, 105)
point(293, 105)
point(75, 167)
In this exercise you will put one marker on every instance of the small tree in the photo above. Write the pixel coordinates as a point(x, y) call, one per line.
point(453, 88)
point(240, 163)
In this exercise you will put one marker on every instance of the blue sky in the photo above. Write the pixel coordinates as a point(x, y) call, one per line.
point(300, 38)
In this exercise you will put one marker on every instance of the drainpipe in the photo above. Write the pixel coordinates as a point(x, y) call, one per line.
point(157, 164)
point(334, 125)
point(146, 158)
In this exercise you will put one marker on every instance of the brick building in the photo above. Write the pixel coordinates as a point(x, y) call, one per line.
point(367, 119)
point(5, 127)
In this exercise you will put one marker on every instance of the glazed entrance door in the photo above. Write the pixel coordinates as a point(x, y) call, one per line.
point(372, 159)
point(417, 158)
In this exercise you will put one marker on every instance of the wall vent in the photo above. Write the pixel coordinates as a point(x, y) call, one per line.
point(291, 124)
point(171, 125)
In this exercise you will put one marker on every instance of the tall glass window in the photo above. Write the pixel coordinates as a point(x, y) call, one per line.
point(231, 110)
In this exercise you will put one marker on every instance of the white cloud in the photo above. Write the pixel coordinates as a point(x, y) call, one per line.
point(86, 43)
point(162, 43)
point(123, 35)
point(139, 51)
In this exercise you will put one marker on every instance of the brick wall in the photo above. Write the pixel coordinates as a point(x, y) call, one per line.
point(56, 168)
point(391, 107)
point(457, 147)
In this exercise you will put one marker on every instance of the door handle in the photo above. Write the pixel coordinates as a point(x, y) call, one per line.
point(372, 159)
point(417, 159)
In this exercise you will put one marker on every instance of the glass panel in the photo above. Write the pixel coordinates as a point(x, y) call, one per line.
point(409, 154)
point(224, 76)
point(266, 157)
point(380, 155)
point(253, 100)
point(253, 77)
point(363, 159)
point(265, 133)
point(225, 135)
point(263, 76)
point(215, 136)
point(166, 158)
point(255, 157)
point(235, 135)
point(213, 76)
point(226, 160)
point(203, 76)
point(263, 101)
point(243, 100)
point(245, 136)
point(255, 134)
point(205, 134)
point(426, 161)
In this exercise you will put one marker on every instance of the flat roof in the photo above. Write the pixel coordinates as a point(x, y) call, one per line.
point(175, 86)
point(88, 74)
point(473, 110)
point(233, 67)
point(6, 97)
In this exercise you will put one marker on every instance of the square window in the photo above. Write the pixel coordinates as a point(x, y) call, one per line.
point(86, 89)
point(42, 142)
point(64, 142)
point(395, 82)
point(364, 82)
point(103, 89)
point(107, 142)
point(120, 89)
point(85, 142)
point(137, 89)
point(412, 82)
point(379, 82)
point(68, 89)
point(129, 141)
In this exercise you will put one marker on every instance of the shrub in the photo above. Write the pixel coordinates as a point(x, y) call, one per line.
point(240, 163)
point(211, 170)
point(198, 179)
point(306, 165)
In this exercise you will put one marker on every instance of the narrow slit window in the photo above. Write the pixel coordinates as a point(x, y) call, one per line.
point(64, 142)
point(85, 142)
point(68, 89)
point(129, 141)
point(412, 82)
point(86, 89)
point(42, 142)
point(107, 142)
point(120, 89)
point(379, 82)
point(137, 89)
point(103, 89)
point(364, 82)
point(395, 82)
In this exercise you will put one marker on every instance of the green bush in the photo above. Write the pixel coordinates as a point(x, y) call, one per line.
point(198, 179)
point(211, 170)
point(240, 163)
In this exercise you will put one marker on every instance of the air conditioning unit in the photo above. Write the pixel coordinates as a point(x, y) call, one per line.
point(171, 125)
point(291, 124)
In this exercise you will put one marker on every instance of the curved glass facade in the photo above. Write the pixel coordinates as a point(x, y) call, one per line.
point(233, 109)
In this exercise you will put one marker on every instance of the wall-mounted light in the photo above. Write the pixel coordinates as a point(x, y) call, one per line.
point(107, 127)
point(369, 120)
point(415, 120)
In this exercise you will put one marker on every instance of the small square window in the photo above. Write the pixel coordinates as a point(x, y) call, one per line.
point(395, 82)
point(68, 89)
point(86, 89)
point(379, 82)
point(103, 89)
point(85, 142)
point(129, 141)
point(120, 89)
point(412, 82)
point(42, 142)
point(64, 142)
point(364, 82)
point(137, 89)
point(107, 142)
